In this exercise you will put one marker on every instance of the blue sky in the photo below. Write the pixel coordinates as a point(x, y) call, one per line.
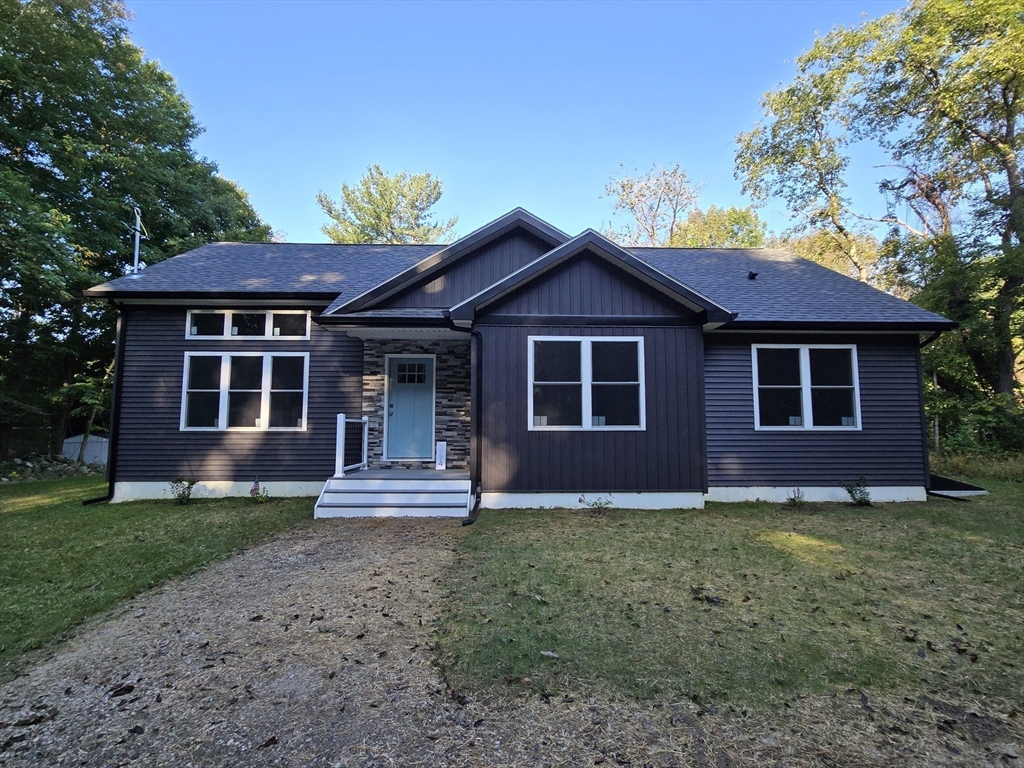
point(509, 104)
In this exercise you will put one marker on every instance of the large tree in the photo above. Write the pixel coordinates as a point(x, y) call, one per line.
point(384, 208)
point(730, 227)
point(88, 130)
point(656, 200)
point(936, 85)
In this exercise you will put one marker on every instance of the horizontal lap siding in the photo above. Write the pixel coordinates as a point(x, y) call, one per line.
point(151, 445)
point(668, 456)
point(889, 450)
point(473, 272)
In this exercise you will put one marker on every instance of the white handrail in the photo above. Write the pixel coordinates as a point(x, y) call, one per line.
point(340, 468)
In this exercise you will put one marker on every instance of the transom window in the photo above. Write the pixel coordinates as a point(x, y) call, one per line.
point(246, 324)
point(245, 391)
point(586, 383)
point(811, 386)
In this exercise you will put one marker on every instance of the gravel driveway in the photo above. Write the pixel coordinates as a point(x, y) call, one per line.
point(315, 650)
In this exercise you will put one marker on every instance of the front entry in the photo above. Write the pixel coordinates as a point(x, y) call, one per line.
point(409, 423)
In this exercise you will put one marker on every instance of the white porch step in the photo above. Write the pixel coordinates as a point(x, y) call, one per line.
point(397, 494)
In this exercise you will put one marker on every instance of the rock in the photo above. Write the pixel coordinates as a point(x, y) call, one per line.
point(28, 464)
point(85, 471)
point(17, 462)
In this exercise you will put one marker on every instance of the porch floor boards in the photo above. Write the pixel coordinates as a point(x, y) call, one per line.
point(407, 474)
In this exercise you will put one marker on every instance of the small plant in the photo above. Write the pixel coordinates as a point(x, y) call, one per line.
point(257, 494)
point(597, 503)
point(182, 489)
point(858, 491)
point(795, 498)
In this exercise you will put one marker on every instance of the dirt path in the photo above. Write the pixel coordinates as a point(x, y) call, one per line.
point(315, 650)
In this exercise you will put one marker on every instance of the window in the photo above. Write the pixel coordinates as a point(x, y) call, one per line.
point(245, 324)
point(586, 383)
point(806, 387)
point(245, 391)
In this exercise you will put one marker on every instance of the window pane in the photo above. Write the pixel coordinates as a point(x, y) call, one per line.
point(202, 409)
point(616, 405)
point(831, 367)
point(246, 372)
point(286, 409)
point(615, 361)
point(778, 367)
point(556, 361)
point(287, 372)
point(833, 407)
point(780, 407)
point(289, 325)
point(207, 324)
point(558, 405)
point(249, 324)
point(204, 372)
point(243, 409)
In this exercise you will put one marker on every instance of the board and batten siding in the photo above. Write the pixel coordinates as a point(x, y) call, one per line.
point(151, 445)
point(667, 456)
point(889, 450)
point(472, 273)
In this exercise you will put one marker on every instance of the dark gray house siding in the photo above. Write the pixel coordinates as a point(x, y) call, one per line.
point(151, 446)
point(587, 285)
point(472, 273)
point(890, 450)
point(667, 456)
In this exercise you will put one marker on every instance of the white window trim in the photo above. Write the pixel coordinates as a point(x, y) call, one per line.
point(587, 380)
point(805, 388)
point(433, 411)
point(226, 333)
point(225, 381)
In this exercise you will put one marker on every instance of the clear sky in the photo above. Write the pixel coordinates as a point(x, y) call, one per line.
point(509, 104)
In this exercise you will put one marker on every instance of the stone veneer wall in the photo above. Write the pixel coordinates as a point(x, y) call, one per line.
point(451, 401)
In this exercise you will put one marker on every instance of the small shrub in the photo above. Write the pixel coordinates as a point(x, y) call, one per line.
point(597, 503)
point(182, 489)
point(261, 495)
point(795, 498)
point(858, 491)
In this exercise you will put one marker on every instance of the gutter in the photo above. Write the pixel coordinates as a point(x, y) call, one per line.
point(115, 409)
point(474, 409)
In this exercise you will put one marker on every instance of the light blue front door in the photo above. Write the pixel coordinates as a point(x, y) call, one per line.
point(410, 408)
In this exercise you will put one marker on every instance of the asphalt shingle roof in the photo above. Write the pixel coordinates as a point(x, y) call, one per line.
point(788, 289)
point(285, 268)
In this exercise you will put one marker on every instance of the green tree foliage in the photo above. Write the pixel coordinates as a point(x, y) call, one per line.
point(385, 208)
point(656, 200)
point(88, 130)
point(720, 228)
point(938, 86)
point(827, 247)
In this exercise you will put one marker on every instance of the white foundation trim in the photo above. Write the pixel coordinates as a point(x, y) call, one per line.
point(618, 499)
point(207, 489)
point(780, 494)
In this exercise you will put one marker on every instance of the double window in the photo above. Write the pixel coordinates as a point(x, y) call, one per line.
point(246, 324)
point(811, 386)
point(586, 383)
point(245, 391)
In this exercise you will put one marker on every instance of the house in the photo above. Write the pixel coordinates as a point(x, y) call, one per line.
point(516, 367)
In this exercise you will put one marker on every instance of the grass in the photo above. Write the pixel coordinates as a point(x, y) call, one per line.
point(61, 562)
point(745, 603)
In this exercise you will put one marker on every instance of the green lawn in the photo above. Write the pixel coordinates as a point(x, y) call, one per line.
point(61, 562)
point(745, 603)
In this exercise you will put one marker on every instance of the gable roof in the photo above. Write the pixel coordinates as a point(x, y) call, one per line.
point(518, 218)
point(788, 292)
point(267, 270)
point(593, 242)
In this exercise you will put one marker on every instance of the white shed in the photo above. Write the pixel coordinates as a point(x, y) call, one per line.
point(95, 449)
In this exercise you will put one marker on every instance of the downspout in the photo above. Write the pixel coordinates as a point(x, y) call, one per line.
point(475, 386)
point(115, 410)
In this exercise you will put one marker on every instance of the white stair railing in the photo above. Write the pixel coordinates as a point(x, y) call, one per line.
point(340, 468)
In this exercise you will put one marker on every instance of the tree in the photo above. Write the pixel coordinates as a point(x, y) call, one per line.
point(656, 200)
point(824, 246)
point(720, 228)
point(88, 130)
point(938, 85)
point(386, 209)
